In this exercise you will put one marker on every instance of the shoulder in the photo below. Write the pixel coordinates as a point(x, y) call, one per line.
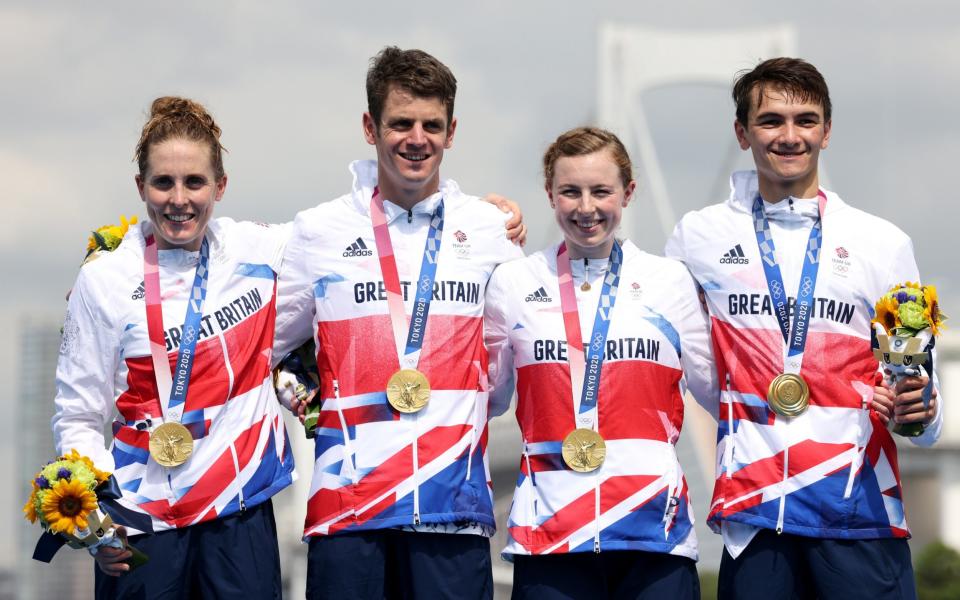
point(703, 219)
point(522, 269)
point(315, 222)
point(473, 210)
point(862, 224)
point(668, 271)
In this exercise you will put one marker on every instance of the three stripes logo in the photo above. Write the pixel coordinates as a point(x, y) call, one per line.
point(539, 295)
point(735, 256)
point(357, 248)
point(138, 293)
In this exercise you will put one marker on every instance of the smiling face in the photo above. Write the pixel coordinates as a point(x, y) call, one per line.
point(412, 134)
point(180, 189)
point(785, 136)
point(588, 197)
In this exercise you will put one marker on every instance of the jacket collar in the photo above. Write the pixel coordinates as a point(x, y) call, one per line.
point(365, 181)
point(744, 187)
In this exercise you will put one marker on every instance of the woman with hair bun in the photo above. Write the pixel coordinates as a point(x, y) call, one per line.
point(602, 340)
point(169, 338)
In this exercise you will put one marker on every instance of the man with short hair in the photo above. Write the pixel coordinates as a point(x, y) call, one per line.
point(389, 280)
point(808, 495)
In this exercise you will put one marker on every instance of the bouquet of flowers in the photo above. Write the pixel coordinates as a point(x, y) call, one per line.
point(905, 327)
point(107, 238)
point(66, 498)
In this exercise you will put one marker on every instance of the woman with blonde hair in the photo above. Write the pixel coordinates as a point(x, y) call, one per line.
point(600, 340)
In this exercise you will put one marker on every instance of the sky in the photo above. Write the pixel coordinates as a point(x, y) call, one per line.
point(285, 81)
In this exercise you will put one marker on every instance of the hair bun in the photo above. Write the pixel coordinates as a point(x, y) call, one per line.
point(176, 117)
point(175, 107)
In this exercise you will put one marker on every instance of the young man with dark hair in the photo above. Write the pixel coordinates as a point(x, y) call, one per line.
point(389, 280)
point(808, 495)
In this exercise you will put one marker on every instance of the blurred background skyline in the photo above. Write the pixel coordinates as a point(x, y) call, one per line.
point(285, 81)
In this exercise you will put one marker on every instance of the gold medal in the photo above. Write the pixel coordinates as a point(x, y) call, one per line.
point(585, 286)
point(788, 395)
point(171, 444)
point(408, 390)
point(583, 450)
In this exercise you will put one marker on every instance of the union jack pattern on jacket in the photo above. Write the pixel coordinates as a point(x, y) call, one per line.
point(832, 471)
point(241, 456)
point(657, 346)
point(375, 468)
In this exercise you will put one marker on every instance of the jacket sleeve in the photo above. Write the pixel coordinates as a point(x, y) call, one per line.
point(904, 268)
point(296, 306)
point(699, 370)
point(86, 370)
point(674, 247)
point(496, 336)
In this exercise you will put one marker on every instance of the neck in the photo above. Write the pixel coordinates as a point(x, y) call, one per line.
point(404, 196)
point(592, 252)
point(774, 192)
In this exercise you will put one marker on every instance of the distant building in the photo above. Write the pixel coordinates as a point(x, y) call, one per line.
point(70, 575)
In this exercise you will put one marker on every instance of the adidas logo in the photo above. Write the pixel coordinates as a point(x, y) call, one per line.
point(138, 293)
point(539, 296)
point(357, 248)
point(734, 257)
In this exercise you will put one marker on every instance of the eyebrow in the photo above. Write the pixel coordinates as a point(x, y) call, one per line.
point(773, 113)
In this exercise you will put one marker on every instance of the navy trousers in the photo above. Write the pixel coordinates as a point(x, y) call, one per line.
point(233, 557)
point(596, 575)
point(791, 566)
point(389, 563)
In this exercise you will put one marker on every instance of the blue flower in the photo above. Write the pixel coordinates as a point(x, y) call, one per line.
point(42, 482)
point(64, 473)
point(901, 297)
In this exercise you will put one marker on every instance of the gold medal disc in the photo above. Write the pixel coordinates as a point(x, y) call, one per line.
point(788, 395)
point(408, 390)
point(171, 444)
point(584, 450)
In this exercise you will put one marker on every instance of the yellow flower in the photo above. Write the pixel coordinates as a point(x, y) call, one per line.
point(110, 234)
point(66, 506)
point(30, 508)
point(99, 475)
point(887, 314)
point(931, 311)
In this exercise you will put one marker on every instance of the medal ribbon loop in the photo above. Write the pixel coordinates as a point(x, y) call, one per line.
point(172, 386)
point(586, 364)
point(408, 334)
point(794, 334)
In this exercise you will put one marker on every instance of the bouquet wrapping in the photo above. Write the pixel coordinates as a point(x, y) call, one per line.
point(906, 322)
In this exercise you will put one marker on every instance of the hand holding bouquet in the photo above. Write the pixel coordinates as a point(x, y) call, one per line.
point(905, 327)
point(66, 499)
point(296, 382)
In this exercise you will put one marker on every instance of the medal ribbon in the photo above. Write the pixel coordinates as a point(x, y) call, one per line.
point(173, 386)
point(795, 334)
point(408, 335)
point(585, 366)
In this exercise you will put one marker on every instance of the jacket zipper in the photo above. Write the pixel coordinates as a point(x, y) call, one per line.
point(596, 514)
point(347, 446)
point(233, 450)
point(416, 473)
point(783, 484)
point(858, 457)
